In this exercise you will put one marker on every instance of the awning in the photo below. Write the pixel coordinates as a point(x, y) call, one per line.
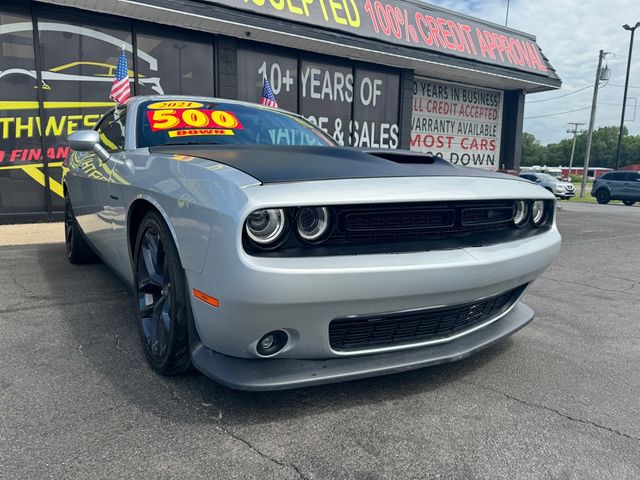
point(434, 42)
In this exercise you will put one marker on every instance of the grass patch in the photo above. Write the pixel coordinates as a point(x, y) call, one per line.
point(587, 198)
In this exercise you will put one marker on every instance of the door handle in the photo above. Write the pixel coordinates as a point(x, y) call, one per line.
point(113, 197)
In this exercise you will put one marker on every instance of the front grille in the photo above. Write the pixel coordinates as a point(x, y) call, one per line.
point(385, 330)
point(419, 221)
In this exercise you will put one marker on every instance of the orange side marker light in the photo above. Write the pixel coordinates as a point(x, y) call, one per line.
point(209, 300)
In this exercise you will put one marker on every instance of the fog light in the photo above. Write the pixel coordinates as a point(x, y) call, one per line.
point(267, 341)
point(272, 343)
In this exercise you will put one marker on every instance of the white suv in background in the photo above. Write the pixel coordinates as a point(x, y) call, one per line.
point(560, 189)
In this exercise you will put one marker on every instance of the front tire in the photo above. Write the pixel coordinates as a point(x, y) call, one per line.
point(161, 298)
point(78, 250)
point(603, 197)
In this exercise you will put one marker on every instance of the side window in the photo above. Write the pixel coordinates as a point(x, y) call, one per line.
point(616, 176)
point(111, 130)
point(606, 176)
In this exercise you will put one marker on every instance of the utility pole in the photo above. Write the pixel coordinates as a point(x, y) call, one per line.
point(592, 120)
point(573, 149)
point(626, 87)
point(506, 20)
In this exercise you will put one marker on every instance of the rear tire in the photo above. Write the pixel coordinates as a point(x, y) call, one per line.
point(163, 313)
point(78, 250)
point(603, 197)
point(628, 203)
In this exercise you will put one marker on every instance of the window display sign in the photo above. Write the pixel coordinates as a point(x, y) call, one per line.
point(280, 68)
point(78, 62)
point(21, 155)
point(410, 24)
point(459, 123)
point(376, 108)
point(356, 110)
point(326, 94)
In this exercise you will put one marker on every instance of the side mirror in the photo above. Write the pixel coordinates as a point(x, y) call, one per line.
point(88, 141)
point(538, 180)
point(83, 140)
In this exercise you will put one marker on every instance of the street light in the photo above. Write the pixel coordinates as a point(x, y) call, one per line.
point(626, 87)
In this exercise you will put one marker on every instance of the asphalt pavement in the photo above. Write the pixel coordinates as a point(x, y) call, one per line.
point(560, 399)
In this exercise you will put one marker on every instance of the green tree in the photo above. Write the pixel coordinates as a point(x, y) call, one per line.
point(532, 150)
point(603, 149)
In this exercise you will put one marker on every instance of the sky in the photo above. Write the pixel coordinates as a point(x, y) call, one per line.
point(571, 33)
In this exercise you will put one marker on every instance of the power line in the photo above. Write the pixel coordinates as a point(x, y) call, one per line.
point(622, 86)
point(560, 96)
point(556, 114)
point(576, 110)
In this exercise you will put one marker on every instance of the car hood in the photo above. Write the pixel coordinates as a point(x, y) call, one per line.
point(274, 164)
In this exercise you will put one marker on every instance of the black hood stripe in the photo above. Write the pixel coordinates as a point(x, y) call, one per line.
point(274, 164)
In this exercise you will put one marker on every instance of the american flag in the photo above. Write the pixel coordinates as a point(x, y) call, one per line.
point(268, 98)
point(120, 90)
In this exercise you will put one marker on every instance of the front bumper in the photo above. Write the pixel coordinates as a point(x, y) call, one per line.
point(280, 374)
point(303, 295)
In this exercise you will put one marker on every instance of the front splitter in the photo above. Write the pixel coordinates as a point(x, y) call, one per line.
point(281, 374)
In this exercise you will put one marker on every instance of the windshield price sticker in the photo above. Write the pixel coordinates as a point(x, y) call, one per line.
point(174, 104)
point(177, 119)
point(200, 132)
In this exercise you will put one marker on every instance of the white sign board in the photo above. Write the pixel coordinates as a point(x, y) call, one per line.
point(459, 123)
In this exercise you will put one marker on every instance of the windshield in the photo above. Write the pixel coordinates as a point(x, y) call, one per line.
point(547, 178)
point(182, 122)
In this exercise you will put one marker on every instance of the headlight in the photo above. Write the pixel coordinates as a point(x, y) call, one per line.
point(266, 227)
point(538, 213)
point(312, 223)
point(521, 213)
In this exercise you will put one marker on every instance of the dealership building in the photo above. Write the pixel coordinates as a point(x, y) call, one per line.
point(371, 73)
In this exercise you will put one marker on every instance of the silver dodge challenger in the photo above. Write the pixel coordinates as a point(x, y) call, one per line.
point(267, 257)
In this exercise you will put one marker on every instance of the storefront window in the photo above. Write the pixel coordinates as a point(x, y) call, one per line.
point(79, 58)
point(174, 64)
point(21, 163)
point(459, 123)
point(376, 108)
point(280, 68)
point(326, 95)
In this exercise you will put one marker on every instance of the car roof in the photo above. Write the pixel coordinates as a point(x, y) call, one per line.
point(137, 100)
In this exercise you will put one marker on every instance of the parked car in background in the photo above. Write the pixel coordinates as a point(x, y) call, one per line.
point(623, 185)
point(559, 188)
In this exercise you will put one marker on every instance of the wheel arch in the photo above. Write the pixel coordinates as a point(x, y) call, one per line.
point(137, 210)
point(602, 187)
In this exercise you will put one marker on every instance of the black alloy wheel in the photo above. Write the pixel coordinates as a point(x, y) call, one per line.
point(78, 250)
point(603, 197)
point(161, 298)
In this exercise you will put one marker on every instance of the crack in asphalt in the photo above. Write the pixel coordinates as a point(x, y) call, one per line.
point(220, 426)
point(29, 293)
point(571, 267)
point(15, 307)
point(625, 291)
point(552, 410)
point(600, 239)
